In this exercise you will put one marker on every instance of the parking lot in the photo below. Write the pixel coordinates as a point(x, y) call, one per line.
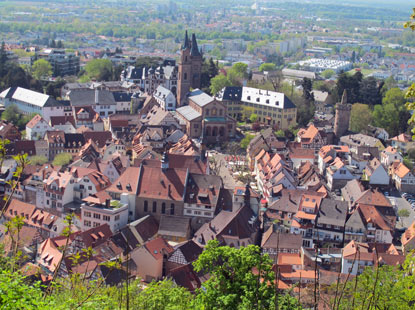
point(401, 203)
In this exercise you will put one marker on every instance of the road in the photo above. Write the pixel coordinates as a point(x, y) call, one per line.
point(224, 172)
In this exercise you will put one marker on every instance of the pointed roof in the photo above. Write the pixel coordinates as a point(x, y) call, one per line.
point(195, 50)
point(186, 44)
point(344, 97)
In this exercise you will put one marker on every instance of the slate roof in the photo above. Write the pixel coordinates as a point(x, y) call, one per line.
point(188, 113)
point(332, 212)
point(230, 224)
point(200, 98)
point(177, 226)
point(122, 96)
point(232, 93)
point(290, 241)
point(87, 97)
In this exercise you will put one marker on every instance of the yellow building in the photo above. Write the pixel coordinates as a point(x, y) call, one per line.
point(272, 108)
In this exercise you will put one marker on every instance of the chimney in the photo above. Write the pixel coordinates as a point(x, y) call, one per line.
point(96, 96)
point(107, 203)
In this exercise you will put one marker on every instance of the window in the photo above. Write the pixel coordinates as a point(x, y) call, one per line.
point(87, 223)
point(96, 224)
point(172, 209)
point(90, 188)
point(106, 218)
point(145, 206)
point(97, 216)
point(117, 217)
point(185, 74)
point(163, 208)
point(154, 207)
point(207, 112)
point(87, 214)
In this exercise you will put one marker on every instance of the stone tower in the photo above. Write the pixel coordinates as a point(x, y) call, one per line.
point(190, 67)
point(342, 118)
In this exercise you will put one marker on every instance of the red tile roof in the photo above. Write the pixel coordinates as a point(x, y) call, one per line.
point(162, 184)
point(158, 247)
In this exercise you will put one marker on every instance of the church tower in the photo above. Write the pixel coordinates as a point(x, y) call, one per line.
point(190, 67)
point(342, 118)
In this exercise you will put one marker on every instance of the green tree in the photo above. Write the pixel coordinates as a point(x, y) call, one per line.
point(237, 72)
point(148, 61)
point(62, 159)
point(41, 68)
point(162, 295)
point(246, 140)
point(247, 112)
point(99, 69)
point(385, 287)
point(392, 113)
point(360, 118)
point(232, 284)
point(267, 67)
point(218, 83)
point(38, 160)
point(280, 133)
point(403, 213)
point(327, 73)
point(370, 92)
point(11, 114)
point(253, 118)
point(209, 71)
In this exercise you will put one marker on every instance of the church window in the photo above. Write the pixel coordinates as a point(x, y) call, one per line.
point(185, 76)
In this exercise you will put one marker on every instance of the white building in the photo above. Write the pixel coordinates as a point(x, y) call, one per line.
point(36, 128)
point(165, 98)
point(375, 173)
point(96, 212)
point(319, 65)
point(390, 155)
point(28, 101)
point(58, 190)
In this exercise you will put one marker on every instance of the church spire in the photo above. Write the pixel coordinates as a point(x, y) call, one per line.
point(186, 44)
point(195, 50)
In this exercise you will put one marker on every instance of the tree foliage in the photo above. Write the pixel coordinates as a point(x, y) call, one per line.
point(218, 83)
point(360, 118)
point(392, 114)
point(385, 287)
point(267, 67)
point(41, 68)
point(12, 114)
point(245, 141)
point(62, 159)
point(99, 69)
point(327, 73)
point(38, 160)
point(233, 284)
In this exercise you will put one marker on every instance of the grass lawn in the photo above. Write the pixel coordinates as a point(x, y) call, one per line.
point(365, 72)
